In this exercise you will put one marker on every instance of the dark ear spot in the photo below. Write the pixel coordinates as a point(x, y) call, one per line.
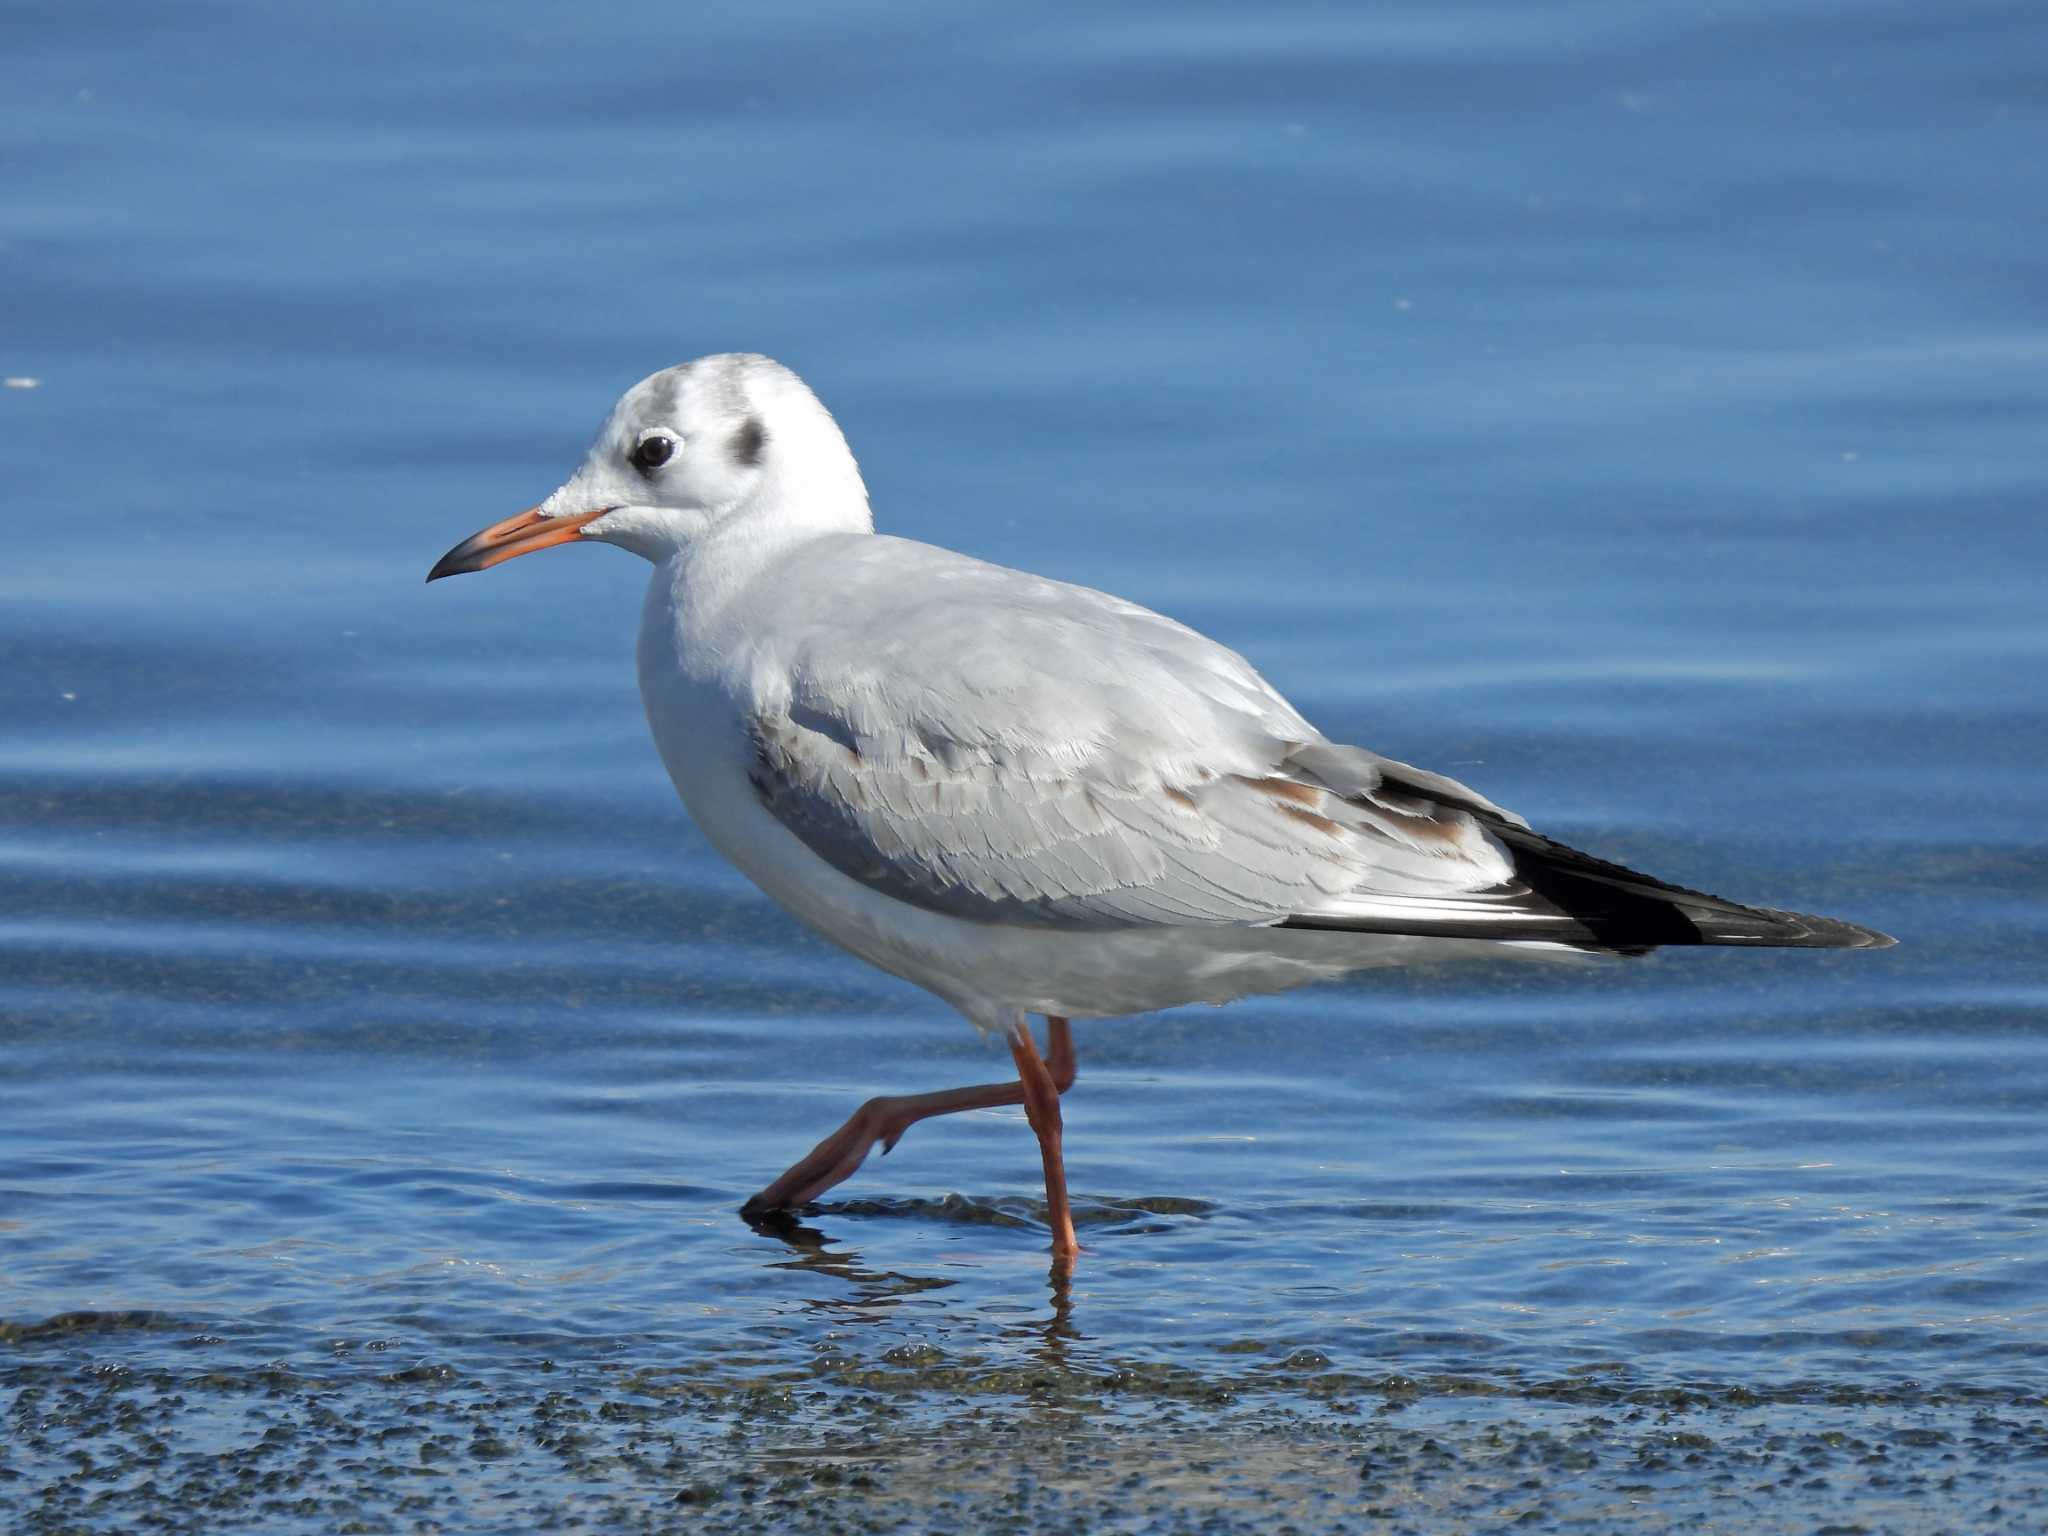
point(747, 443)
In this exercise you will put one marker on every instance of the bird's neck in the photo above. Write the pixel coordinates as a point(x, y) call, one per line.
point(707, 581)
point(810, 490)
point(812, 482)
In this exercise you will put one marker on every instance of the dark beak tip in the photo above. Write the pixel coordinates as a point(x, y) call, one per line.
point(460, 560)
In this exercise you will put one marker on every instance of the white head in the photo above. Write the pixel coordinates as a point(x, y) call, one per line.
point(733, 440)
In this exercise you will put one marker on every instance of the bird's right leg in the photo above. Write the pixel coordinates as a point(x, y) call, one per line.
point(1042, 1108)
point(885, 1120)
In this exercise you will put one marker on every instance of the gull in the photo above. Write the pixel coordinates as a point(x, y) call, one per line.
point(1024, 796)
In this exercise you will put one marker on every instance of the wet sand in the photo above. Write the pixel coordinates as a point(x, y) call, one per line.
point(914, 1440)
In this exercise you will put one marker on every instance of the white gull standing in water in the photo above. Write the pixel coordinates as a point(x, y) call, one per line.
point(1024, 796)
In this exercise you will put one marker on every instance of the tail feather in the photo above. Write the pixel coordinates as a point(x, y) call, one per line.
point(1555, 895)
point(1563, 896)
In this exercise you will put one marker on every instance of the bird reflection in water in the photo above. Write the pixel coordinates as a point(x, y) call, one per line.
point(878, 1290)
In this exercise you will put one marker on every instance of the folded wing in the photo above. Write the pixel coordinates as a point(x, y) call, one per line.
point(1015, 750)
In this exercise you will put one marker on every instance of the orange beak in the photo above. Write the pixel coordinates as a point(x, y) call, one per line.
point(520, 535)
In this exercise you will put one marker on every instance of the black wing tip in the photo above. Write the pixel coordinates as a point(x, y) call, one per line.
point(1627, 909)
point(1773, 929)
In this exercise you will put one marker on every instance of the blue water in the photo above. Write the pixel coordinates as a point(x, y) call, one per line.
point(1633, 410)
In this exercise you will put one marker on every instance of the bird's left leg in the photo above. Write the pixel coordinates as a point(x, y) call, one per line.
point(883, 1121)
point(1042, 1109)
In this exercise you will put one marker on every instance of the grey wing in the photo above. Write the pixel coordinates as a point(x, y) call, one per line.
point(1009, 749)
point(1068, 760)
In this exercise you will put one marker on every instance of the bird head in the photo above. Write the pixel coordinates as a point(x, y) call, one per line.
point(733, 438)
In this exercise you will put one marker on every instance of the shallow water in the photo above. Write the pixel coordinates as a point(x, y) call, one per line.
point(1632, 412)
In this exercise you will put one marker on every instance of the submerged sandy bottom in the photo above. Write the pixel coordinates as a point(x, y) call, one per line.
point(914, 1440)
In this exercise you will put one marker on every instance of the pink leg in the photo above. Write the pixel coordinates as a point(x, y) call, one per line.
point(1042, 1107)
point(885, 1120)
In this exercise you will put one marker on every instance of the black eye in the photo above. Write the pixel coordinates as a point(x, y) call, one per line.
point(655, 450)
